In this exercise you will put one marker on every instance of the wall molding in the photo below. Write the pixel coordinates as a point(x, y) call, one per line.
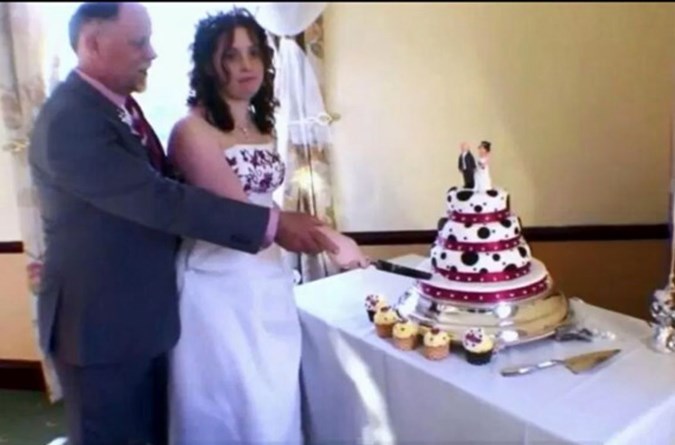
point(11, 247)
point(538, 234)
point(24, 375)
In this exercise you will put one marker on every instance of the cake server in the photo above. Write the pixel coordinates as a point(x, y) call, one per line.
point(387, 266)
point(577, 364)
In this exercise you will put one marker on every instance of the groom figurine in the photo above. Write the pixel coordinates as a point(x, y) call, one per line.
point(467, 165)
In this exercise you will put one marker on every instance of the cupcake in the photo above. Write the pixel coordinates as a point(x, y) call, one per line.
point(385, 318)
point(373, 303)
point(436, 344)
point(405, 334)
point(478, 346)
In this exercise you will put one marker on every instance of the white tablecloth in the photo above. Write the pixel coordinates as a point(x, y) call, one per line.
point(360, 389)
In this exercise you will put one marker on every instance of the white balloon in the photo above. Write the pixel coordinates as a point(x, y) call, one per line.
point(287, 18)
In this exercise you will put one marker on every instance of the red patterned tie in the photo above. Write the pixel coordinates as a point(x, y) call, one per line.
point(148, 137)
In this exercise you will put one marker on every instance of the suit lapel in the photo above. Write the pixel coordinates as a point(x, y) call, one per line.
point(112, 112)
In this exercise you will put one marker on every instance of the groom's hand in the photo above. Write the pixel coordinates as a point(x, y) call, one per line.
point(297, 232)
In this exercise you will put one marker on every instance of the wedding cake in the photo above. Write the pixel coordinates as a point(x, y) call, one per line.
point(480, 255)
point(484, 274)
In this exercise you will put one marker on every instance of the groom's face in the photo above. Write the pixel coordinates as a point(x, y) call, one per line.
point(125, 50)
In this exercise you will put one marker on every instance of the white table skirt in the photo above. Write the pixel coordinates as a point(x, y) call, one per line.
point(360, 389)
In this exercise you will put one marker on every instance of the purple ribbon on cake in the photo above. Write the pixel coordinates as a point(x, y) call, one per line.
point(486, 277)
point(485, 297)
point(479, 217)
point(480, 247)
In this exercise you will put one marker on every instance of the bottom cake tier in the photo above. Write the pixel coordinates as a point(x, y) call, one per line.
point(511, 321)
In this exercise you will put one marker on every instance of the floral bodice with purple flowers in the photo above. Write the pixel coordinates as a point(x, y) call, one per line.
point(258, 166)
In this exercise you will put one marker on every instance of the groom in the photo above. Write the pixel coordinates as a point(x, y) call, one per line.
point(467, 165)
point(107, 307)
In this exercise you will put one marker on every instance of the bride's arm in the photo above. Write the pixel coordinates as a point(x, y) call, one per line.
point(198, 155)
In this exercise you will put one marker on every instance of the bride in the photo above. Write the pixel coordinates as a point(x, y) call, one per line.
point(482, 174)
point(234, 374)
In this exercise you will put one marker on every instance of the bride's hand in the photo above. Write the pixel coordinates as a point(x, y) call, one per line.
point(349, 255)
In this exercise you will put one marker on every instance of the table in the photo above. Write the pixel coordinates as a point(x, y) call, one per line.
point(359, 389)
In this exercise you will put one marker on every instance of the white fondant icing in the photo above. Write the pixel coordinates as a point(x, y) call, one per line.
point(537, 273)
point(490, 261)
point(467, 201)
point(506, 229)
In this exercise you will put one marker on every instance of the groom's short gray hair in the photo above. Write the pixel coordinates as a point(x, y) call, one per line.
point(88, 12)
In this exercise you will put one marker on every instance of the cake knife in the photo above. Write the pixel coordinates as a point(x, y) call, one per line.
point(390, 267)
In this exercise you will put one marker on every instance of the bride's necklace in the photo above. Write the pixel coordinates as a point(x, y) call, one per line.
point(245, 130)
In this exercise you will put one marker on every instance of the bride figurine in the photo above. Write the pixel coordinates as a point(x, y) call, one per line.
point(482, 173)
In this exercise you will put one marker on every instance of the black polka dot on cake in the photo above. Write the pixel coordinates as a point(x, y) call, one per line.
point(516, 231)
point(469, 258)
point(449, 198)
point(522, 251)
point(483, 270)
point(483, 233)
point(492, 193)
point(510, 268)
point(453, 269)
point(496, 257)
point(452, 238)
point(444, 256)
point(468, 225)
point(505, 222)
point(434, 263)
point(464, 195)
point(477, 209)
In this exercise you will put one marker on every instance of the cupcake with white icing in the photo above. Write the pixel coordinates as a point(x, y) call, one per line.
point(478, 346)
point(373, 303)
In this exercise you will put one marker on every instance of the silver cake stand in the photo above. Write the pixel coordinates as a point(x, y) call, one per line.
point(511, 323)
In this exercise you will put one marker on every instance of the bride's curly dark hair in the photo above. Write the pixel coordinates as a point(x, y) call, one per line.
point(204, 80)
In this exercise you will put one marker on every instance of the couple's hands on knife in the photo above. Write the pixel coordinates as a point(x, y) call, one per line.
point(348, 255)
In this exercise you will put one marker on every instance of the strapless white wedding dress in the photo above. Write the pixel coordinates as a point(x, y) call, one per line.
point(481, 175)
point(234, 374)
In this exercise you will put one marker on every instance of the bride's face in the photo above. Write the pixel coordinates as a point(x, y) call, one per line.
point(239, 65)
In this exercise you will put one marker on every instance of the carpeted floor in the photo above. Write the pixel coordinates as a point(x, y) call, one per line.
point(27, 418)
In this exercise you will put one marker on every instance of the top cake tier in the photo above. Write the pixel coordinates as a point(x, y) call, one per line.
point(466, 205)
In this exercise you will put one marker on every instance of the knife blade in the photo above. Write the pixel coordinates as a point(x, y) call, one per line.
point(387, 266)
point(577, 364)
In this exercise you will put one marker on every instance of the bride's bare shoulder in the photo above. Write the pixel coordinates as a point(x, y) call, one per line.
point(193, 120)
point(194, 132)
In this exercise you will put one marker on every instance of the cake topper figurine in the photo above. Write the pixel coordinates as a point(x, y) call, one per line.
point(467, 165)
point(482, 175)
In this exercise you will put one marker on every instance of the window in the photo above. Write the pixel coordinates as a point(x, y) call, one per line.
point(173, 30)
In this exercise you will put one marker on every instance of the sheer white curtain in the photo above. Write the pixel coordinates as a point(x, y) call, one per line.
point(303, 124)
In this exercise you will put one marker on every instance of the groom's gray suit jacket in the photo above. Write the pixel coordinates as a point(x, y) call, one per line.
point(112, 227)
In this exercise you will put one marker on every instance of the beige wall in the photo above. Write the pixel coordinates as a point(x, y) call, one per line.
point(17, 340)
point(9, 211)
point(576, 99)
